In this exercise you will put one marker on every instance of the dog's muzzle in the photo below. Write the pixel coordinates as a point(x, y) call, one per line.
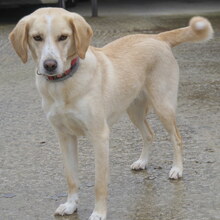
point(50, 64)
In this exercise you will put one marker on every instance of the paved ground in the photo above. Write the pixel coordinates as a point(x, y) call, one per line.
point(32, 184)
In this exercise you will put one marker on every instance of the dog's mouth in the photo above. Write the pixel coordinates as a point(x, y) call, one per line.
point(62, 76)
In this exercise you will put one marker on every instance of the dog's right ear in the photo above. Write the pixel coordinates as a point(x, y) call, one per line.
point(18, 38)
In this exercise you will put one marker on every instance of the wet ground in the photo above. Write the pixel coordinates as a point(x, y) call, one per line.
point(32, 183)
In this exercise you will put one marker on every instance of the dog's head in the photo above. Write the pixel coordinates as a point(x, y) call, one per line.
point(54, 37)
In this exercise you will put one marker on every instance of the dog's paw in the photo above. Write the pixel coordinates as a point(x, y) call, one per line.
point(67, 208)
point(139, 165)
point(175, 173)
point(97, 216)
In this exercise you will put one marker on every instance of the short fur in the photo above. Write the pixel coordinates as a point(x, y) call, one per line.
point(133, 74)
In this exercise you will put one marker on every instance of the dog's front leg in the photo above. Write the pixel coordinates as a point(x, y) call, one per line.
point(100, 141)
point(69, 150)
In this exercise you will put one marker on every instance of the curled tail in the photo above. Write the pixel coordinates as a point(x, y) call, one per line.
point(199, 29)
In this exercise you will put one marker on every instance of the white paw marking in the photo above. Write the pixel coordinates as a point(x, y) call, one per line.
point(175, 173)
point(97, 216)
point(67, 208)
point(139, 165)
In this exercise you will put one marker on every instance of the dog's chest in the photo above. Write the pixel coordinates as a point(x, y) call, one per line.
point(67, 119)
point(64, 109)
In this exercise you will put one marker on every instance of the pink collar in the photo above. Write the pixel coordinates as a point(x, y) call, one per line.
point(68, 73)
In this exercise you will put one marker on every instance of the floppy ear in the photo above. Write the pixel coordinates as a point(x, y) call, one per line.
point(82, 34)
point(18, 38)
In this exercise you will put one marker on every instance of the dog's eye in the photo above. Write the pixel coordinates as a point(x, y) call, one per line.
point(38, 38)
point(62, 38)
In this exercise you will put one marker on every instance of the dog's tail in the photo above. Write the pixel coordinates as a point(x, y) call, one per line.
point(199, 29)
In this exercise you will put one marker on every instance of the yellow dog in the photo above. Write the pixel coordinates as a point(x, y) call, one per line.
point(85, 89)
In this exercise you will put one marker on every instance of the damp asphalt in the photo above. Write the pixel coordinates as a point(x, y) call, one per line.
point(32, 182)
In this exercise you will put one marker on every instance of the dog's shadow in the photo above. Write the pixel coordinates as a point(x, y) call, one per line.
point(74, 216)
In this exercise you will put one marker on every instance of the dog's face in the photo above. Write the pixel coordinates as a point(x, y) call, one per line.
point(54, 37)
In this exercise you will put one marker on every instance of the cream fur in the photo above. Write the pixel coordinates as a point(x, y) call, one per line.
point(133, 74)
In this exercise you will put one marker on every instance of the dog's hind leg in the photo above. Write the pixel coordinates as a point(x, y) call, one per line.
point(162, 89)
point(136, 112)
point(165, 108)
point(167, 117)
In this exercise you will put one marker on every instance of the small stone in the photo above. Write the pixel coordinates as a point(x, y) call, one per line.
point(61, 195)
point(54, 197)
point(209, 150)
point(89, 185)
point(151, 178)
point(209, 161)
point(8, 195)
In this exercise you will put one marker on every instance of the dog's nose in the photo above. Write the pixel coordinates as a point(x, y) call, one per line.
point(50, 65)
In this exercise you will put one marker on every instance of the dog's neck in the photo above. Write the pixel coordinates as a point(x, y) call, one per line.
point(68, 73)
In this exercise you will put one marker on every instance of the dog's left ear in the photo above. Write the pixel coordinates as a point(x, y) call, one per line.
point(82, 34)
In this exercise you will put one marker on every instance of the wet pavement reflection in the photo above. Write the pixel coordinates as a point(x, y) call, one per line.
point(32, 182)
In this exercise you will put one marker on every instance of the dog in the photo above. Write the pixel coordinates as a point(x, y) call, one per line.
point(85, 89)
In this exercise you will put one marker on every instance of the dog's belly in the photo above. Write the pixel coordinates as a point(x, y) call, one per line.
point(66, 120)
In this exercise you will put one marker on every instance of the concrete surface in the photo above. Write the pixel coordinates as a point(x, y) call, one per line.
point(32, 183)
